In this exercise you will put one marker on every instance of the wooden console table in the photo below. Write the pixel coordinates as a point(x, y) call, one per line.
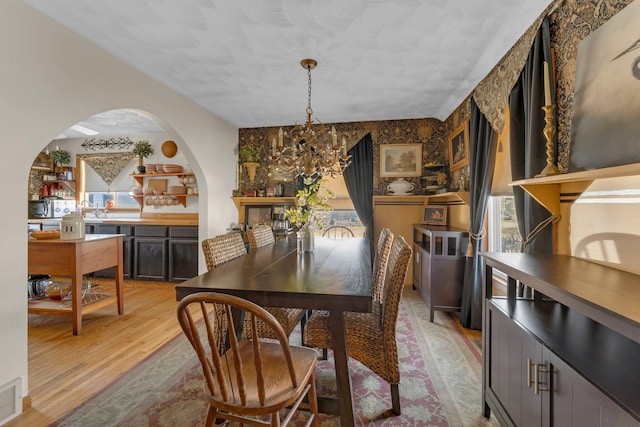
point(74, 258)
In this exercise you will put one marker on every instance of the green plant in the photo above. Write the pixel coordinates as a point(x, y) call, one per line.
point(309, 202)
point(249, 154)
point(142, 149)
point(60, 157)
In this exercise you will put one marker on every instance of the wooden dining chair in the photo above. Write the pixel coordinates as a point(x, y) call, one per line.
point(250, 381)
point(259, 236)
point(338, 232)
point(371, 337)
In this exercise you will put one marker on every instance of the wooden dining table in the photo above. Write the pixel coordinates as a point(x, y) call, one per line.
point(336, 277)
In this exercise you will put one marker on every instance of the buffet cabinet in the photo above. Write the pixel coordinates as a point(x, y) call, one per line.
point(568, 355)
point(154, 252)
point(438, 265)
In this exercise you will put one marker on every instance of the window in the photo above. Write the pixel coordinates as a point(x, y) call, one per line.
point(121, 199)
point(503, 228)
point(345, 217)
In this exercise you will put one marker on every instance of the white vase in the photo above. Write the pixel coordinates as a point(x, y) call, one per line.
point(306, 241)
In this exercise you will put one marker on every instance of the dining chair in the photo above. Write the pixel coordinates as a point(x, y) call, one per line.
point(371, 337)
point(220, 249)
point(259, 236)
point(380, 260)
point(249, 381)
point(226, 247)
point(338, 232)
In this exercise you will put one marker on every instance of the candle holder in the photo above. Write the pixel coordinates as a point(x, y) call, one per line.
point(549, 130)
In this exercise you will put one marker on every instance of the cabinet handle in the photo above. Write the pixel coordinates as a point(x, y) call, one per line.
point(529, 372)
point(537, 370)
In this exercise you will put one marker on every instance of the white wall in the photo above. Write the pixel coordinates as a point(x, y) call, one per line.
point(50, 79)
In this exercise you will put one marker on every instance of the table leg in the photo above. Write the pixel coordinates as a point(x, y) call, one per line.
point(119, 277)
point(76, 300)
point(341, 358)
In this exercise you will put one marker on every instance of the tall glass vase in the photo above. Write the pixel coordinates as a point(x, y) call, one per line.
point(306, 242)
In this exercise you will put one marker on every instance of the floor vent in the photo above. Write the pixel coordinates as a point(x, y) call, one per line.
point(10, 404)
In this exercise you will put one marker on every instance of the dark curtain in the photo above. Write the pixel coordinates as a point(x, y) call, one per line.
point(482, 155)
point(358, 177)
point(528, 144)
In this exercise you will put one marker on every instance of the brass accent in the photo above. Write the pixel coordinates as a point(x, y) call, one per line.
point(549, 130)
point(529, 372)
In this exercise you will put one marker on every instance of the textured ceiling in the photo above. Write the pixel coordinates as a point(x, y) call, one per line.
point(377, 60)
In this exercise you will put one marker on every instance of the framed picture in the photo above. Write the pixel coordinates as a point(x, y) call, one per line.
point(459, 147)
point(434, 215)
point(400, 160)
point(257, 215)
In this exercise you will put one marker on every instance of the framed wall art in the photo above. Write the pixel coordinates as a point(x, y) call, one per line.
point(400, 160)
point(434, 215)
point(459, 147)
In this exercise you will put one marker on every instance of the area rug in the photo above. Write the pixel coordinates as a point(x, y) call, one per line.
point(440, 382)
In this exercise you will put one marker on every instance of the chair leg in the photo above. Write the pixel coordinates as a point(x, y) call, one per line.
point(325, 354)
point(395, 399)
point(211, 417)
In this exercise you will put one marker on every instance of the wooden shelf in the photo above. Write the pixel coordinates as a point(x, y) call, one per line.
point(450, 198)
point(548, 190)
point(263, 201)
point(139, 178)
point(49, 306)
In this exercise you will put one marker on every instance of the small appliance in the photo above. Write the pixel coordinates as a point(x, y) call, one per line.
point(72, 227)
point(59, 208)
point(38, 209)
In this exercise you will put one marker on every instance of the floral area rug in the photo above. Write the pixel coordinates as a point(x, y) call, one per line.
point(440, 382)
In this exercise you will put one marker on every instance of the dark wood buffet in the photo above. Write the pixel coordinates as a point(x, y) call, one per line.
point(569, 354)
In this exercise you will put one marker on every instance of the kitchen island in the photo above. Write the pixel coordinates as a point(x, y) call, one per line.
point(73, 258)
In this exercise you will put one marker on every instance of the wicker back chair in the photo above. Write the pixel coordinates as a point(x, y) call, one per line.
point(380, 262)
point(247, 378)
point(371, 337)
point(259, 236)
point(223, 248)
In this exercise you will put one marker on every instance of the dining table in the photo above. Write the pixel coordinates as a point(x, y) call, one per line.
point(335, 277)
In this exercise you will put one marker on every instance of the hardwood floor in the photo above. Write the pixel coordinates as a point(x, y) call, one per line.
point(65, 370)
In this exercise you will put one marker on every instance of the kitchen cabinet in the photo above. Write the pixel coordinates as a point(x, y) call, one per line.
point(150, 254)
point(153, 252)
point(183, 251)
point(165, 253)
point(181, 198)
point(576, 348)
point(127, 243)
point(438, 267)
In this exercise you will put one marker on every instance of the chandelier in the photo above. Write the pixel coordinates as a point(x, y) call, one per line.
point(310, 149)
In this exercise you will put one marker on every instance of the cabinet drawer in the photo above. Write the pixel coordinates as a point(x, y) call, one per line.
point(150, 231)
point(187, 232)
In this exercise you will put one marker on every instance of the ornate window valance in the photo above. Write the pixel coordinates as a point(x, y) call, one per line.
point(107, 165)
point(492, 93)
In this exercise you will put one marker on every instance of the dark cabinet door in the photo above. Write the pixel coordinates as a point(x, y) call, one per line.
point(150, 258)
point(513, 354)
point(183, 259)
point(577, 402)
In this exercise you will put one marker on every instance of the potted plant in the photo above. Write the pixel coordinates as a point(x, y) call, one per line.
point(60, 157)
point(142, 149)
point(249, 154)
point(250, 159)
point(305, 216)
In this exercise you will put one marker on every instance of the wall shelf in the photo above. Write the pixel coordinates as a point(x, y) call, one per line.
point(450, 198)
point(140, 198)
point(548, 190)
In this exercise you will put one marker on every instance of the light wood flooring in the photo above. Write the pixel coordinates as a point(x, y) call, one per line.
point(66, 370)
